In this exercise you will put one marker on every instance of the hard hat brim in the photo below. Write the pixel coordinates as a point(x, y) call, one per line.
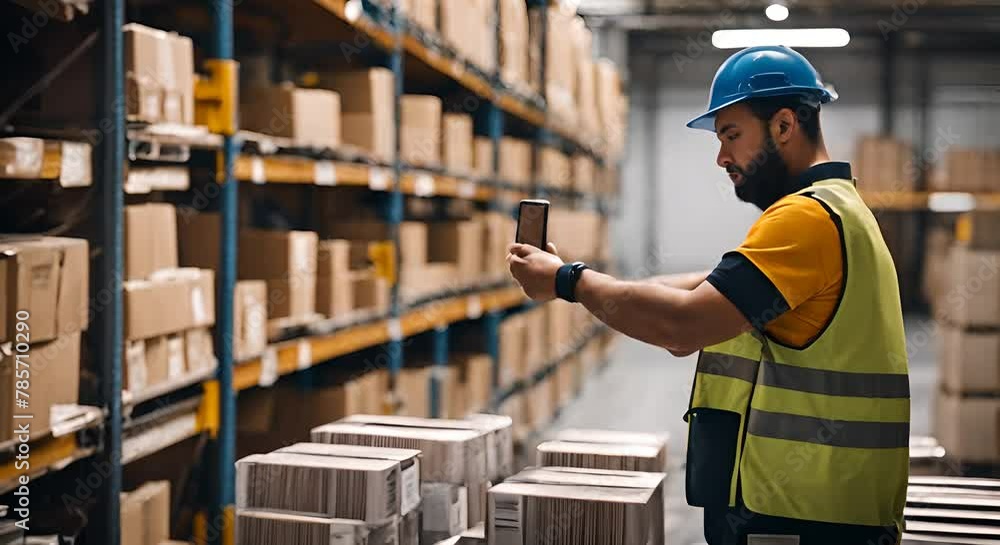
point(706, 121)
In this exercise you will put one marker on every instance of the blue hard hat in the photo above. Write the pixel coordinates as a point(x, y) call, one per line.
point(762, 71)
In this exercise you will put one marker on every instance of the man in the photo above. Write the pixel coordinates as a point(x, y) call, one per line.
point(799, 413)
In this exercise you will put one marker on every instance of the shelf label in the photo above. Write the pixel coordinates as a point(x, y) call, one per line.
point(257, 170)
point(466, 189)
point(395, 329)
point(305, 355)
point(268, 368)
point(424, 185)
point(474, 308)
point(378, 179)
point(326, 173)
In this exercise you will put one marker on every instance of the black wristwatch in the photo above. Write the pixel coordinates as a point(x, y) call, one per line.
point(566, 278)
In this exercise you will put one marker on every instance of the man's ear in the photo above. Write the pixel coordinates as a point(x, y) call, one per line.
point(782, 125)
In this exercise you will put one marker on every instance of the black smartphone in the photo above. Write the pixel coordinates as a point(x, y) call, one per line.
point(533, 223)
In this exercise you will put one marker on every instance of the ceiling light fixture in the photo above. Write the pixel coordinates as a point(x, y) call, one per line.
point(777, 11)
point(792, 37)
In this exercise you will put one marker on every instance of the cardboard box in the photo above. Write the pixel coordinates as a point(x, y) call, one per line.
point(514, 42)
point(169, 302)
point(150, 239)
point(249, 319)
point(369, 291)
point(310, 117)
point(970, 360)
point(456, 145)
point(475, 378)
point(420, 130)
point(559, 330)
point(267, 528)
point(445, 510)
point(199, 239)
point(48, 277)
point(472, 536)
point(133, 528)
point(199, 349)
point(979, 230)
point(165, 359)
point(419, 282)
point(55, 380)
point(413, 387)
point(511, 359)
point(469, 26)
point(293, 297)
point(634, 480)
point(459, 243)
point(407, 460)
point(572, 513)
point(452, 456)
point(326, 486)
point(422, 12)
point(277, 254)
point(583, 173)
point(368, 106)
point(540, 403)
point(412, 236)
point(535, 349)
point(155, 499)
point(25, 158)
point(335, 295)
point(159, 75)
point(968, 427)
point(608, 437)
point(973, 297)
point(499, 230)
point(553, 168)
point(515, 161)
point(627, 457)
point(482, 157)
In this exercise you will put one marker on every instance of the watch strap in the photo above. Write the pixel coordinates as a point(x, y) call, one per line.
point(566, 278)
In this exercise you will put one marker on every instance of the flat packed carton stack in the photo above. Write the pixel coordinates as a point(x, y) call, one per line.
point(967, 422)
point(573, 505)
point(44, 295)
point(145, 514)
point(968, 169)
point(169, 311)
point(309, 117)
point(368, 109)
point(308, 493)
point(884, 164)
point(454, 466)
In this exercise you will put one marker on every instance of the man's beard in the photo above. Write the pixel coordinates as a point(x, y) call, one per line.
point(767, 178)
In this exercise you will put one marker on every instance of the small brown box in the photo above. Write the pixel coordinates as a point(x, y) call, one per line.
point(55, 380)
point(310, 117)
point(150, 239)
point(456, 147)
point(249, 319)
point(370, 292)
point(968, 428)
point(515, 161)
point(460, 243)
point(420, 130)
point(482, 157)
point(970, 360)
point(368, 106)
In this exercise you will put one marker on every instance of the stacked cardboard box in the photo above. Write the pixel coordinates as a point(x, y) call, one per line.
point(145, 514)
point(553, 168)
point(287, 261)
point(249, 319)
point(514, 43)
point(515, 161)
point(459, 243)
point(575, 233)
point(513, 331)
point(159, 75)
point(540, 405)
point(456, 143)
point(967, 169)
point(368, 111)
point(310, 117)
point(586, 85)
point(570, 505)
point(604, 455)
point(475, 381)
point(413, 390)
point(611, 106)
point(884, 164)
point(469, 26)
point(560, 65)
point(498, 234)
point(657, 441)
point(420, 130)
point(566, 381)
point(346, 281)
point(150, 239)
point(968, 401)
point(558, 328)
point(482, 157)
point(45, 283)
point(453, 469)
point(583, 173)
point(348, 493)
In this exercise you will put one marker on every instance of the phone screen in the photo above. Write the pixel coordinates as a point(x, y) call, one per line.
point(532, 223)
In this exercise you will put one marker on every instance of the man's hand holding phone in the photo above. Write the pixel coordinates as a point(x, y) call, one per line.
point(533, 261)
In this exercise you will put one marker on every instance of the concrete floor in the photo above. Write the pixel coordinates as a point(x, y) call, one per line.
point(646, 389)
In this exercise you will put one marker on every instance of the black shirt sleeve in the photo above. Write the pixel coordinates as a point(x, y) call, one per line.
point(749, 289)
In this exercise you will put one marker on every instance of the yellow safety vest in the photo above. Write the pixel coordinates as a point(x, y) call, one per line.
point(818, 433)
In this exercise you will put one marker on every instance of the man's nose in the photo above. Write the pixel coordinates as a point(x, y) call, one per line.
point(723, 159)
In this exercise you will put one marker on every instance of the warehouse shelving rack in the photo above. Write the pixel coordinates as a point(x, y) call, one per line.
point(111, 438)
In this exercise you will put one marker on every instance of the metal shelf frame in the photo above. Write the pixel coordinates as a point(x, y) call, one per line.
point(214, 413)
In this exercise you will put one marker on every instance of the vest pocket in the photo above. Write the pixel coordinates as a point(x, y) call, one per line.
point(713, 436)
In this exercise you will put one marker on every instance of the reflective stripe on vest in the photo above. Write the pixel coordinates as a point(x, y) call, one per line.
point(835, 383)
point(836, 433)
point(727, 365)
